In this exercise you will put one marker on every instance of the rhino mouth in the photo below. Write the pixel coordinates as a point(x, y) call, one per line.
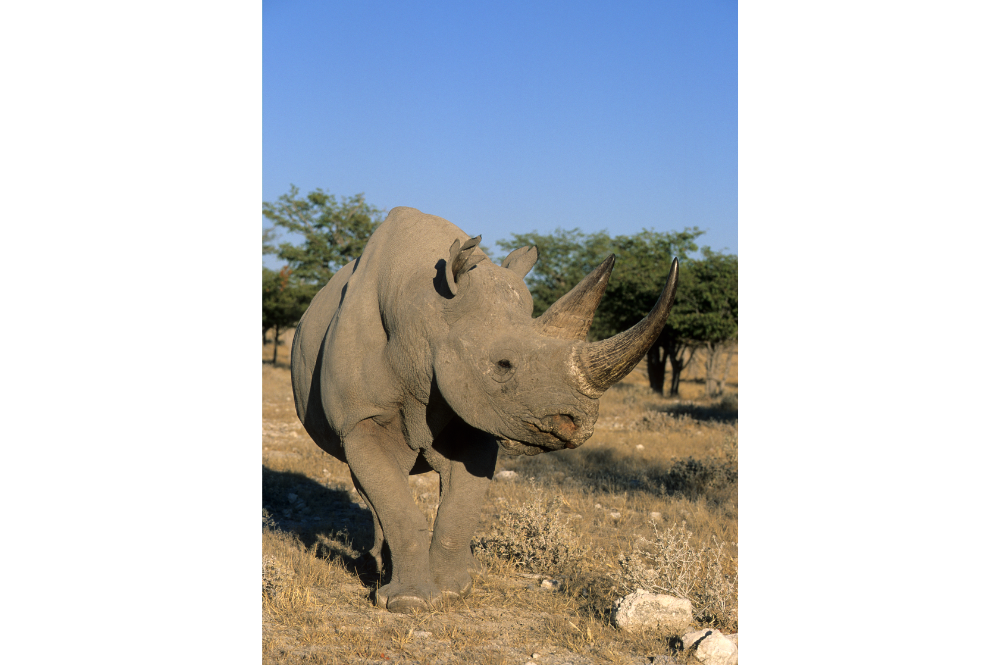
point(512, 447)
point(546, 434)
point(560, 427)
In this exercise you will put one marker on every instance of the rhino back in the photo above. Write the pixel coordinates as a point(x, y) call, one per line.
point(367, 336)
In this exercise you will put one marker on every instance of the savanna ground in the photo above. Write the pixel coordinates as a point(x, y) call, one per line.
point(650, 500)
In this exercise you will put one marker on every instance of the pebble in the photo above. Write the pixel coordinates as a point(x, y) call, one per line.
point(421, 633)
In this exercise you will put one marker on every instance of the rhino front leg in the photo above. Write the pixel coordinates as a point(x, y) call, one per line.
point(380, 459)
point(466, 466)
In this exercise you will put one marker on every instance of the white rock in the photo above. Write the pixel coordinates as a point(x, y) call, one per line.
point(656, 516)
point(506, 474)
point(711, 647)
point(640, 447)
point(615, 515)
point(421, 633)
point(642, 610)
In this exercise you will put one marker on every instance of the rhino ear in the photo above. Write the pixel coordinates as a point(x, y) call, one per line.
point(520, 261)
point(460, 261)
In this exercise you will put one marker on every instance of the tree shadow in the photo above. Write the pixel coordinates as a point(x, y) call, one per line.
point(722, 411)
point(606, 470)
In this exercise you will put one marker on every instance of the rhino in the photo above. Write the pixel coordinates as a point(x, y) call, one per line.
point(422, 354)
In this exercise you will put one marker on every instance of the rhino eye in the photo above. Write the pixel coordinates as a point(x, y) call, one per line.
point(503, 369)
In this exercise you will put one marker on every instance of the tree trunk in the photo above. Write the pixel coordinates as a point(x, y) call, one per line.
point(713, 363)
point(675, 376)
point(656, 361)
point(731, 347)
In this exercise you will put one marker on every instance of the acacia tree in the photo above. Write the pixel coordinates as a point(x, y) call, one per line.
point(267, 238)
point(284, 301)
point(705, 315)
point(333, 233)
point(640, 273)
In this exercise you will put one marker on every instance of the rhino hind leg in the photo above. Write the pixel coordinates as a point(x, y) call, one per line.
point(466, 466)
point(379, 536)
point(377, 457)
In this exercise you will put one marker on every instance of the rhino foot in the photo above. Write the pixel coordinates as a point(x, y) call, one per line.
point(475, 566)
point(454, 586)
point(401, 598)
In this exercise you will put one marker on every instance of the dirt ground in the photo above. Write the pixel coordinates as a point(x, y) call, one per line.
point(318, 583)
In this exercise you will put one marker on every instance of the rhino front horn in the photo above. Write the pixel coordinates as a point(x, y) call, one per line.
point(570, 316)
point(607, 362)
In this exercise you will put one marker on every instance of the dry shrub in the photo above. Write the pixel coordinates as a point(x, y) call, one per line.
point(288, 571)
point(273, 576)
point(729, 451)
point(533, 535)
point(280, 589)
point(707, 576)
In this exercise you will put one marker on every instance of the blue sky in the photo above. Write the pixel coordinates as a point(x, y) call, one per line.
point(509, 117)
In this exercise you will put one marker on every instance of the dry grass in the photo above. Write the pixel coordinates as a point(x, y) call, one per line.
point(560, 542)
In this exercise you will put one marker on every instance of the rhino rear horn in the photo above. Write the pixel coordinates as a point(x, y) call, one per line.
point(607, 362)
point(461, 261)
point(570, 316)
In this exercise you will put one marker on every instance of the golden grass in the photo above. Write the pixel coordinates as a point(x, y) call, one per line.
point(648, 455)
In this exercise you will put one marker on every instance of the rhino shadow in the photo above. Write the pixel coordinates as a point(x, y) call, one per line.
point(334, 520)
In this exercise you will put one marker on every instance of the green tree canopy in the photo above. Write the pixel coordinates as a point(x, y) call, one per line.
point(641, 267)
point(707, 310)
point(333, 233)
point(267, 237)
point(706, 316)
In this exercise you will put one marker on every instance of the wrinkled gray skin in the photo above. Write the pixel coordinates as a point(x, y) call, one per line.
point(422, 354)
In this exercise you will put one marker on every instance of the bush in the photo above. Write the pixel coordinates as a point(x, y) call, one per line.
point(274, 578)
point(671, 564)
point(533, 535)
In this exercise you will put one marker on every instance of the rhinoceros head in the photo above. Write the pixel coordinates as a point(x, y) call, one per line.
point(533, 383)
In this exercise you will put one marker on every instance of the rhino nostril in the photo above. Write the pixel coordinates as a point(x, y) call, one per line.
point(563, 426)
